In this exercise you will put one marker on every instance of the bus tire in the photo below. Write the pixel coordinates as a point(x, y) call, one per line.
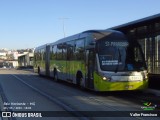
point(79, 78)
point(55, 75)
point(39, 70)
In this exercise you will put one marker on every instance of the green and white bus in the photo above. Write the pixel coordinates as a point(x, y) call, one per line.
point(101, 60)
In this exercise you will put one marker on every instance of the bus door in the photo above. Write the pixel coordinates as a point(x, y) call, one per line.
point(47, 59)
point(90, 55)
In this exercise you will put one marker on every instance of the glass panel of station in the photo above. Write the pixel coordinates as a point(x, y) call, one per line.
point(149, 39)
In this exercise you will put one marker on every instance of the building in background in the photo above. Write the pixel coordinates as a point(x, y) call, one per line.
point(16, 58)
point(3, 54)
point(25, 59)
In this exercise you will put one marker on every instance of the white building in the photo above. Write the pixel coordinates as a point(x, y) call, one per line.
point(25, 59)
point(3, 54)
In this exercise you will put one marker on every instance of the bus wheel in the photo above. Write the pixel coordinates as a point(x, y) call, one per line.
point(39, 71)
point(55, 75)
point(79, 78)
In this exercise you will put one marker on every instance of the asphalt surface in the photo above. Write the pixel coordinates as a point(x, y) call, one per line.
point(26, 91)
point(17, 96)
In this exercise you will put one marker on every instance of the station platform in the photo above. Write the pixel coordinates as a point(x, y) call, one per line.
point(154, 81)
point(153, 91)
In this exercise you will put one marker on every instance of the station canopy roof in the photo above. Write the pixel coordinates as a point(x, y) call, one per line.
point(140, 22)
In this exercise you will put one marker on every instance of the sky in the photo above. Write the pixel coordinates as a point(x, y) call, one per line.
point(30, 23)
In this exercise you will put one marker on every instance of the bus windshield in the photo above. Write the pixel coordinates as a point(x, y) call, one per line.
point(134, 58)
point(120, 56)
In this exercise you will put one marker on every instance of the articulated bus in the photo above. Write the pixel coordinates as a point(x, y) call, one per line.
point(100, 60)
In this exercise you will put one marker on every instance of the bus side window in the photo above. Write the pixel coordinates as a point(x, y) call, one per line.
point(70, 50)
point(59, 52)
point(79, 50)
point(42, 54)
point(53, 52)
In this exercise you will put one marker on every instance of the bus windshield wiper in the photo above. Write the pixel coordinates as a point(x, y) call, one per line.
point(119, 60)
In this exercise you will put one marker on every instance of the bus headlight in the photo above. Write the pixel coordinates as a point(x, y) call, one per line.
point(145, 75)
point(106, 78)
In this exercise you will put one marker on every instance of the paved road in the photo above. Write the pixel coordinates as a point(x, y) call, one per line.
point(17, 96)
point(24, 91)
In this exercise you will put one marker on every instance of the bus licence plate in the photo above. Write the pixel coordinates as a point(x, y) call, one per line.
point(133, 78)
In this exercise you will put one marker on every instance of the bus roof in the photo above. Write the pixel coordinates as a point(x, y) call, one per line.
point(41, 47)
point(97, 33)
point(85, 34)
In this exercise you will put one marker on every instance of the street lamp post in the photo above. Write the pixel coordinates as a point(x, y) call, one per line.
point(63, 19)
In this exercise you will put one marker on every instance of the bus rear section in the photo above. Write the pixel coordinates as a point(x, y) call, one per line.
point(41, 60)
